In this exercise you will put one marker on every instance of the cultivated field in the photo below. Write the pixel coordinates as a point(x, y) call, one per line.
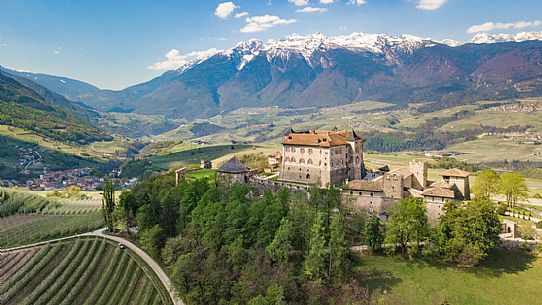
point(22, 231)
point(79, 271)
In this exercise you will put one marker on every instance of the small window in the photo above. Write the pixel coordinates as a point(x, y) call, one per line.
point(292, 160)
point(309, 161)
point(310, 150)
point(360, 193)
point(308, 176)
point(293, 149)
point(372, 194)
point(301, 161)
point(302, 150)
point(288, 168)
point(287, 149)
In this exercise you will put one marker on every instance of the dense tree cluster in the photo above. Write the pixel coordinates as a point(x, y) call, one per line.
point(245, 246)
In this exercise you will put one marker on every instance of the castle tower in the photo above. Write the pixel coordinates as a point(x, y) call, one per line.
point(419, 169)
point(392, 185)
point(459, 179)
point(356, 145)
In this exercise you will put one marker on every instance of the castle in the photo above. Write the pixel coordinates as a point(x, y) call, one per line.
point(322, 157)
point(327, 158)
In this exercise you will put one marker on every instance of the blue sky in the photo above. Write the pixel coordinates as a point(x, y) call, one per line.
point(115, 44)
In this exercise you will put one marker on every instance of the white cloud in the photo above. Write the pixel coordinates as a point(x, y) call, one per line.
point(430, 5)
point(357, 2)
point(58, 50)
point(299, 2)
point(213, 38)
point(492, 26)
point(225, 9)
point(262, 23)
point(326, 1)
point(241, 14)
point(309, 9)
point(174, 59)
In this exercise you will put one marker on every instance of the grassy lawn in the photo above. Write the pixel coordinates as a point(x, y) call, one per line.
point(505, 278)
point(202, 173)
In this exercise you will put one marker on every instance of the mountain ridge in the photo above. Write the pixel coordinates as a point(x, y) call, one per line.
point(315, 70)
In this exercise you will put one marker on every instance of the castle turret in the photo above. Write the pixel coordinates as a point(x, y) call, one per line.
point(419, 170)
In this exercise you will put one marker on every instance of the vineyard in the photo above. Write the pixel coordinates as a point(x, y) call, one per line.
point(46, 227)
point(27, 217)
point(79, 271)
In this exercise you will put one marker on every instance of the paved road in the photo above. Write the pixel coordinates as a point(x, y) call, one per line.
point(154, 266)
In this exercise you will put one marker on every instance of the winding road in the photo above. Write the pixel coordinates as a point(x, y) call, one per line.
point(142, 254)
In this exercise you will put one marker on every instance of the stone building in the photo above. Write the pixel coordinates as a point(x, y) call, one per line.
point(274, 160)
point(459, 180)
point(384, 189)
point(322, 157)
point(233, 171)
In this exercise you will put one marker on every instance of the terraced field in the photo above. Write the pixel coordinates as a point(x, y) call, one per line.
point(83, 271)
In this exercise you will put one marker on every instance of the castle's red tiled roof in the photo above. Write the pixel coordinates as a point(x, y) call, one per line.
point(321, 138)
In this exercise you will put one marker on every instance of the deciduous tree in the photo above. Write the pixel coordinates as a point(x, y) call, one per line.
point(487, 184)
point(407, 224)
point(514, 187)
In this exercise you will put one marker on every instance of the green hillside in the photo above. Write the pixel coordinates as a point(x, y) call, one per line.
point(78, 271)
point(54, 160)
point(23, 107)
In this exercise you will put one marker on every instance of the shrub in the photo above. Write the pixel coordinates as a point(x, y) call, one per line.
point(539, 225)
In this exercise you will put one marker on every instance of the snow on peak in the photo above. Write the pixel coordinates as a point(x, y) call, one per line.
point(495, 38)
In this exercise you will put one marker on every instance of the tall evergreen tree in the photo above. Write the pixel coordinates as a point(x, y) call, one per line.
point(281, 246)
point(108, 204)
point(315, 262)
point(339, 262)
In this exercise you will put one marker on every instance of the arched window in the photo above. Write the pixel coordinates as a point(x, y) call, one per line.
point(286, 159)
point(292, 159)
point(310, 150)
point(309, 161)
point(357, 159)
point(302, 150)
point(287, 149)
point(308, 176)
point(302, 161)
point(293, 149)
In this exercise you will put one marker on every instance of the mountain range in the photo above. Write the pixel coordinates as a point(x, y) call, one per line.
point(317, 71)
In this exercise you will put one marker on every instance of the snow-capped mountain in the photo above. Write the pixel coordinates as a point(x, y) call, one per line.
point(307, 45)
point(320, 71)
point(495, 38)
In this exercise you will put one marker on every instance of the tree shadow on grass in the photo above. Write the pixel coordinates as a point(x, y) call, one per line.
point(498, 262)
point(375, 279)
point(503, 261)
